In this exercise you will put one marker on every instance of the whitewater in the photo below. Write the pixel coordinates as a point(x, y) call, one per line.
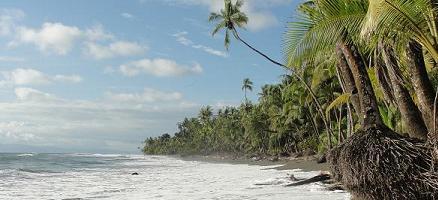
point(100, 176)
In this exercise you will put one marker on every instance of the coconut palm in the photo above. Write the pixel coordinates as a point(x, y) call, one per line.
point(229, 18)
point(323, 27)
point(247, 85)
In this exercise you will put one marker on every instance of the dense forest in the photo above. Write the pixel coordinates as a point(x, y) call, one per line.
point(361, 86)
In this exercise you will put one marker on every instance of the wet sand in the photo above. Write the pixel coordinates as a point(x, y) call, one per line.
point(307, 163)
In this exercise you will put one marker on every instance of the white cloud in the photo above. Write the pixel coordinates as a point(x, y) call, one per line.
point(82, 124)
point(11, 59)
point(182, 39)
point(21, 76)
point(51, 37)
point(211, 50)
point(159, 67)
point(70, 78)
point(26, 77)
point(118, 48)
point(8, 20)
point(97, 33)
point(29, 94)
point(15, 131)
point(149, 95)
point(127, 15)
point(60, 39)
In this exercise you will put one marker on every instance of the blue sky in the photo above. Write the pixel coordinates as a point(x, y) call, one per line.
point(102, 75)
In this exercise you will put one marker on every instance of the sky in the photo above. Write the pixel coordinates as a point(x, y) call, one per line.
point(103, 75)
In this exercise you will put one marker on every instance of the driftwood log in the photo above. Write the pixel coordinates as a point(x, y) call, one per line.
point(319, 178)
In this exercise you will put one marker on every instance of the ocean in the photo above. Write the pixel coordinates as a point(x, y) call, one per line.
point(103, 176)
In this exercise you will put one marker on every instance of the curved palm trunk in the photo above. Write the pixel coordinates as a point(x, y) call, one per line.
point(422, 85)
point(349, 113)
point(411, 116)
point(368, 103)
point(384, 82)
point(320, 110)
point(348, 79)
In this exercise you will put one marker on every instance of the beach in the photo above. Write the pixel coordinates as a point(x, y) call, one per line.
point(109, 177)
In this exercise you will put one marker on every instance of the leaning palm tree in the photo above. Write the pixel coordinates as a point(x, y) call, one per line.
point(247, 85)
point(230, 18)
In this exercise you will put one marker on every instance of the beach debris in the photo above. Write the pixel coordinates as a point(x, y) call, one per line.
point(318, 178)
point(275, 181)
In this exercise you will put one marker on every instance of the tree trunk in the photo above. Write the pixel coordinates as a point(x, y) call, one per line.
point(384, 82)
point(348, 79)
point(422, 86)
point(411, 116)
point(349, 112)
point(368, 102)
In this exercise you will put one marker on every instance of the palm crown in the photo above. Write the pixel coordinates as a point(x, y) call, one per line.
point(228, 18)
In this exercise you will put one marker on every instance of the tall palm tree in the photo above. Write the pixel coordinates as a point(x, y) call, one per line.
point(230, 18)
point(247, 85)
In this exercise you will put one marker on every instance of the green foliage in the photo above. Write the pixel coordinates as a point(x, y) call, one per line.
point(282, 122)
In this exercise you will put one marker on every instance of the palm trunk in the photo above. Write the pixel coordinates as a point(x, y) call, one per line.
point(411, 116)
point(422, 85)
point(368, 101)
point(340, 134)
point(349, 113)
point(384, 82)
point(348, 79)
point(320, 110)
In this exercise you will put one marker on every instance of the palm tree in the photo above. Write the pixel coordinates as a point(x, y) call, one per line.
point(324, 26)
point(414, 25)
point(231, 17)
point(205, 114)
point(247, 85)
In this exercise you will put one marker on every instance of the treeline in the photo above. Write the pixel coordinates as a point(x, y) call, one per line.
point(284, 121)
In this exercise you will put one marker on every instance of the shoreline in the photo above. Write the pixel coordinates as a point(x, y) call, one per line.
point(305, 163)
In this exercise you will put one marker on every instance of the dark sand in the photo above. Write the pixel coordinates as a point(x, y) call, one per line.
point(287, 163)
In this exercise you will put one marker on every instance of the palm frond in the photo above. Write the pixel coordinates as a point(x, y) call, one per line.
point(340, 100)
point(218, 28)
point(408, 18)
point(214, 17)
point(313, 33)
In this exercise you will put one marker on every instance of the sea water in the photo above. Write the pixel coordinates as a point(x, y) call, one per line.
point(98, 176)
